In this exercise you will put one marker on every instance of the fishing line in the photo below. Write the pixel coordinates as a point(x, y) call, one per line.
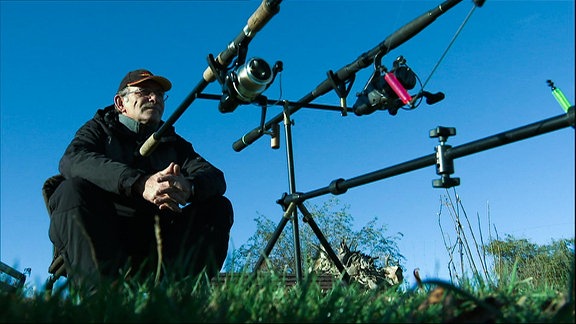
point(449, 45)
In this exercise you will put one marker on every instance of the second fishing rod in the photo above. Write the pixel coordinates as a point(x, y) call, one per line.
point(340, 81)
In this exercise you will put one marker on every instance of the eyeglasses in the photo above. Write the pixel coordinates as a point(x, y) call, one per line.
point(145, 92)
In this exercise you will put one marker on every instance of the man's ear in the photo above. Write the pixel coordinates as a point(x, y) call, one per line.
point(119, 103)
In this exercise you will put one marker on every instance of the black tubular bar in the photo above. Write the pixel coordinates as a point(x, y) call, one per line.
point(346, 73)
point(340, 186)
point(263, 14)
point(276, 102)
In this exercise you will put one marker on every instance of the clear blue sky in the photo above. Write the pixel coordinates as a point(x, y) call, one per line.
point(62, 60)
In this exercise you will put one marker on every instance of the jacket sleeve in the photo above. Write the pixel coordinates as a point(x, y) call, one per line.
point(85, 158)
point(207, 180)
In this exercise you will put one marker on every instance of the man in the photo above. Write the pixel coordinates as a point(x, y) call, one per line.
point(103, 214)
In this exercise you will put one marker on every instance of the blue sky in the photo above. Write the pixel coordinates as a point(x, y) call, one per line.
point(62, 60)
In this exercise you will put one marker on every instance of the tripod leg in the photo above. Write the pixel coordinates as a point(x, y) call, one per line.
point(308, 219)
point(275, 237)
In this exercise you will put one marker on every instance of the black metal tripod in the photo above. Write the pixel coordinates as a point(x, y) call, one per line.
point(290, 212)
point(442, 159)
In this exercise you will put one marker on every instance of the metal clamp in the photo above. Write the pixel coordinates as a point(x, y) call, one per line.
point(444, 164)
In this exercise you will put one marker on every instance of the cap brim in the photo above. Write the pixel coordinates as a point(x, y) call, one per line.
point(162, 81)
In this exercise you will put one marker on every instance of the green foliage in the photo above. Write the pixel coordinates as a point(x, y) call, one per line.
point(546, 266)
point(336, 224)
point(498, 263)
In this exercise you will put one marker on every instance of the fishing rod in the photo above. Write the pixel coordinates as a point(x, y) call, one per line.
point(443, 158)
point(260, 17)
point(341, 80)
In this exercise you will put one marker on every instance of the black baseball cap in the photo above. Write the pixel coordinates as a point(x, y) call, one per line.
point(141, 75)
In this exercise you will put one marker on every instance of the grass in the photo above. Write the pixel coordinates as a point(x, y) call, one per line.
point(266, 298)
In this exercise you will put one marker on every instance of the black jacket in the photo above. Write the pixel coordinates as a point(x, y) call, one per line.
point(106, 153)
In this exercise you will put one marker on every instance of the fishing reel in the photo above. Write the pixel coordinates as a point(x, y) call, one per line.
point(387, 90)
point(244, 82)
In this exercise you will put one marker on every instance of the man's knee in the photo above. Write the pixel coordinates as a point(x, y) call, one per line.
point(72, 193)
point(217, 211)
point(224, 208)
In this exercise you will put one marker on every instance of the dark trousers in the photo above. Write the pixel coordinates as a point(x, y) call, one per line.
point(99, 233)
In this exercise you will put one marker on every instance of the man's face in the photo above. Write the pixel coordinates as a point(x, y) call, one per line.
point(143, 102)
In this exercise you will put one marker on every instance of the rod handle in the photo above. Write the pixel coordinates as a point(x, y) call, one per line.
point(262, 16)
point(149, 146)
point(259, 18)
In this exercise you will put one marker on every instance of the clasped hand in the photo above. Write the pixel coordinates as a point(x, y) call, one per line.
point(167, 189)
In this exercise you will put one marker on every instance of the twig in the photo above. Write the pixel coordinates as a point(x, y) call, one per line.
point(158, 248)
